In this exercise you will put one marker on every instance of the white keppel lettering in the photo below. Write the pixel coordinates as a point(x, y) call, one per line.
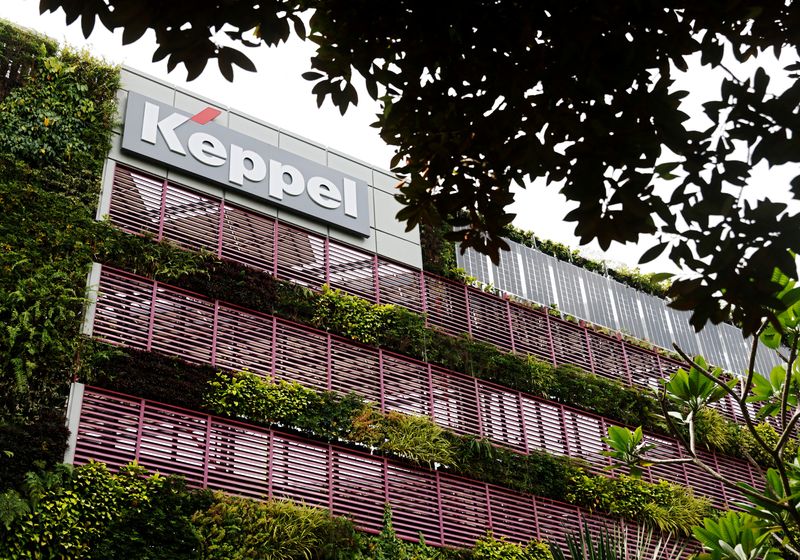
point(207, 149)
point(238, 172)
point(350, 198)
point(324, 193)
point(151, 125)
point(277, 180)
point(237, 161)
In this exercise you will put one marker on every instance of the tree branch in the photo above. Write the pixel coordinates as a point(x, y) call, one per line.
point(787, 382)
point(787, 432)
point(725, 481)
point(751, 365)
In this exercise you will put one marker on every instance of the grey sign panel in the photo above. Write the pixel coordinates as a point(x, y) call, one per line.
point(519, 277)
point(765, 359)
point(474, 264)
point(735, 346)
point(160, 132)
point(506, 276)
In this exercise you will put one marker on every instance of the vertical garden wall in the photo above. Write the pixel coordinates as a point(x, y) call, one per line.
point(57, 111)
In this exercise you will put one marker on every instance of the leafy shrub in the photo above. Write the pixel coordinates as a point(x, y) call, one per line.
point(238, 528)
point(330, 415)
point(295, 302)
point(386, 546)
point(323, 414)
point(525, 373)
point(358, 319)
point(348, 315)
point(713, 430)
point(454, 353)
point(250, 397)
point(415, 438)
point(614, 543)
point(55, 128)
point(90, 513)
point(40, 318)
point(768, 435)
point(536, 473)
point(490, 548)
point(162, 260)
point(403, 331)
point(219, 278)
point(62, 115)
point(664, 506)
point(736, 534)
point(152, 518)
point(21, 50)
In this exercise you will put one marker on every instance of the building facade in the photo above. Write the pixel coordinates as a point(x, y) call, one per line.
point(186, 170)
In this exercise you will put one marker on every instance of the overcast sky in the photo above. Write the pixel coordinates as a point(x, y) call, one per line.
point(278, 95)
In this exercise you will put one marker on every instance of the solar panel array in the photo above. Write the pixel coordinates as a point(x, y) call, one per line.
point(534, 276)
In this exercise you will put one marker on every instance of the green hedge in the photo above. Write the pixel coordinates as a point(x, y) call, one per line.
point(666, 507)
point(149, 375)
point(55, 130)
point(90, 513)
point(236, 528)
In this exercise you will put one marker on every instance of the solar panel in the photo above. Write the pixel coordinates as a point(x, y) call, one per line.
point(530, 274)
point(600, 305)
point(570, 297)
point(655, 317)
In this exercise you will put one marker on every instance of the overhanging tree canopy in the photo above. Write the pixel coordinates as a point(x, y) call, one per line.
point(480, 94)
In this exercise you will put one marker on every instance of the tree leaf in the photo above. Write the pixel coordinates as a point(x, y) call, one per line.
point(653, 252)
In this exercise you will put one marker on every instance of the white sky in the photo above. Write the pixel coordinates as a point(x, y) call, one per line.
point(277, 94)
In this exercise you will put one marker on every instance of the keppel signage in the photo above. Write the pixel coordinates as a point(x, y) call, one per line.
point(203, 148)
